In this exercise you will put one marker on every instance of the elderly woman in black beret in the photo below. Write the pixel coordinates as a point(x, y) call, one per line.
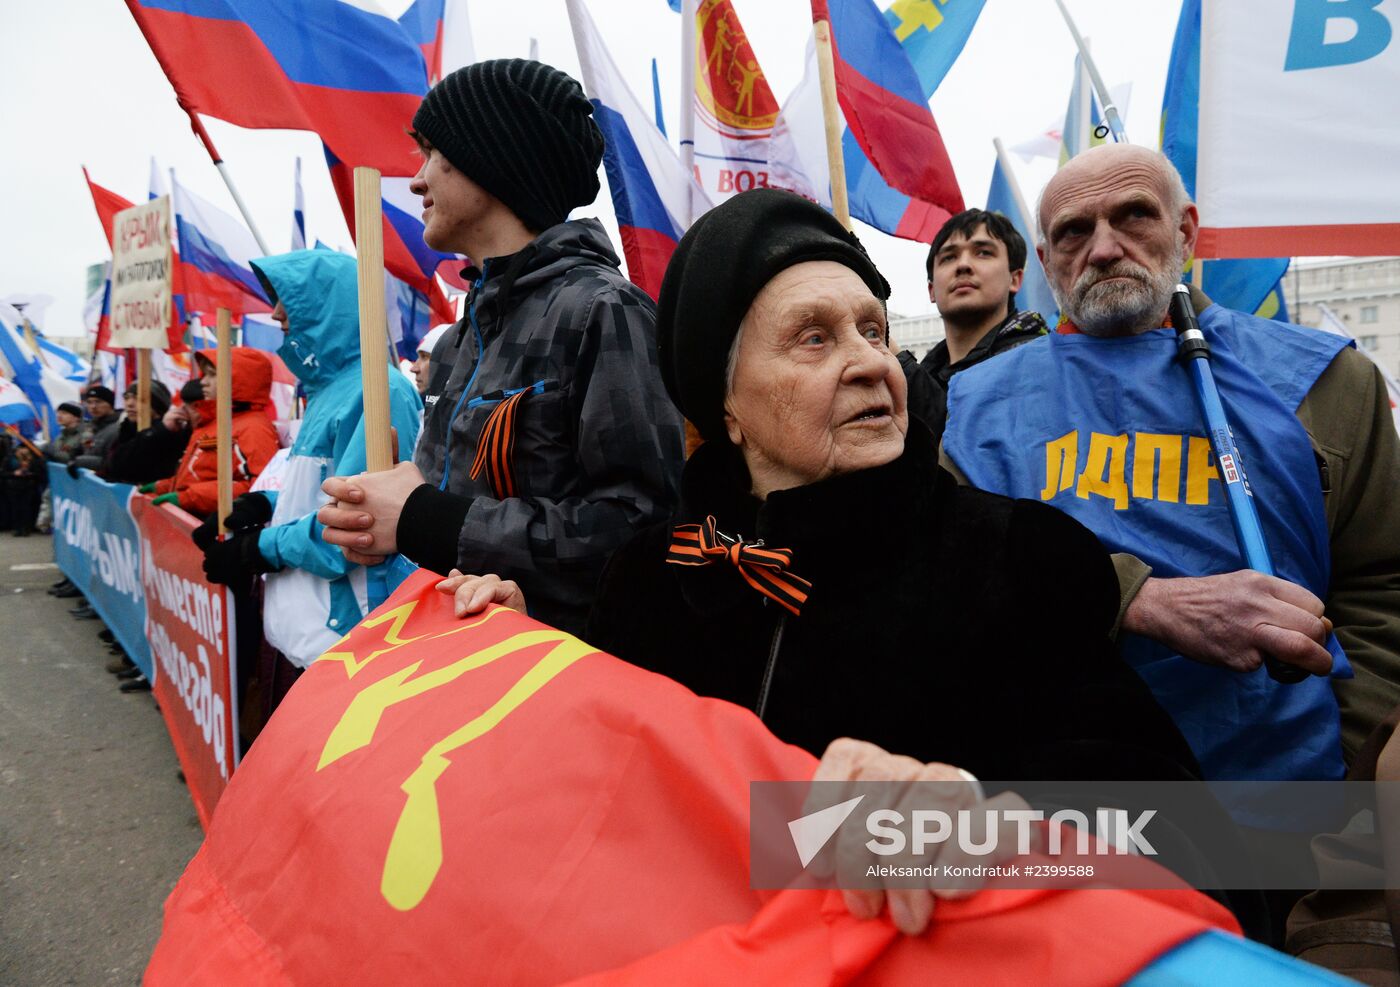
point(822, 569)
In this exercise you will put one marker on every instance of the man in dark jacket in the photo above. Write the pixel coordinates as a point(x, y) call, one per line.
point(547, 438)
point(975, 267)
point(68, 443)
point(102, 427)
point(141, 456)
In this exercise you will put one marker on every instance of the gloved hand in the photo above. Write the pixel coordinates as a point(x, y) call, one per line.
point(250, 512)
point(146, 488)
point(235, 561)
point(167, 498)
point(72, 470)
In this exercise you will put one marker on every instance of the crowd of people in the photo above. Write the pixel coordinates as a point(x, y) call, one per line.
point(1012, 557)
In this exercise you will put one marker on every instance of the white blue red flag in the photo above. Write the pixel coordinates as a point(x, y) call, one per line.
point(884, 106)
point(932, 36)
point(651, 192)
point(423, 23)
point(406, 256)
point(215, 243)
point(351, 75)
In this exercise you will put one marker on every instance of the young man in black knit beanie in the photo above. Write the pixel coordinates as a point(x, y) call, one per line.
point(547, 436)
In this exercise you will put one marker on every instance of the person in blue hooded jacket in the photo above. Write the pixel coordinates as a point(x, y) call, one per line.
point(313, 594)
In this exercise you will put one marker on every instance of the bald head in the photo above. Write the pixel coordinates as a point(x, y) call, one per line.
point(1116, 228)
point(1110, 164)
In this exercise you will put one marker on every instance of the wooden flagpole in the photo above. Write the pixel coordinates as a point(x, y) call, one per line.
point(143, 389)
point(223, 401)
point(374, 326)
point(831, 116)
point(32, 339)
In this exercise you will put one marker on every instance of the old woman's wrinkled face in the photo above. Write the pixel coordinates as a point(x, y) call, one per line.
point(815, 391)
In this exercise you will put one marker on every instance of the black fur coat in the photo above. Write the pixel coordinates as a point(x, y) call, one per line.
point(943, 623)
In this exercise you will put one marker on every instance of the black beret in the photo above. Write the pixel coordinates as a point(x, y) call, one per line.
point(718, 269)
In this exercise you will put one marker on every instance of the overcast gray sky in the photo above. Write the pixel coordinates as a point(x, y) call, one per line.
point(81, 87)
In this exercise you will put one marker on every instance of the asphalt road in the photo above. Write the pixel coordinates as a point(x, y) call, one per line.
point(95, 825)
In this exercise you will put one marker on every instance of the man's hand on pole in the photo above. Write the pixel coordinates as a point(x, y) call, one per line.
point(363, 516)
point(1233, 620)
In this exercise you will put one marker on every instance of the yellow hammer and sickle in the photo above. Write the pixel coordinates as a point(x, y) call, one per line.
point(415, 850)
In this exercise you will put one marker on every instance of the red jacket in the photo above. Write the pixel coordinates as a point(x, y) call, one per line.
point(254, 436)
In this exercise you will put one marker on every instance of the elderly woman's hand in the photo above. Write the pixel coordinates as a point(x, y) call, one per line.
point(910, 909)
point(473, 594)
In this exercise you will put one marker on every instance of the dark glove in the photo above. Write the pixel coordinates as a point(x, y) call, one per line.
point(250, 512)
point(72, 470)
point(235, 561)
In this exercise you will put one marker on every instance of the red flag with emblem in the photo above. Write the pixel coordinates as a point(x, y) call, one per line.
point(493, 801)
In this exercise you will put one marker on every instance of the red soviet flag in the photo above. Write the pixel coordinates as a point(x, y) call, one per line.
point(492, 801)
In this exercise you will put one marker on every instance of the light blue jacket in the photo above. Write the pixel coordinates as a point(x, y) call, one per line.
point(318, 289)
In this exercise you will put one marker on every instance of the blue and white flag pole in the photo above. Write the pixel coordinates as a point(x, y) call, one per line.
point(1110, 111)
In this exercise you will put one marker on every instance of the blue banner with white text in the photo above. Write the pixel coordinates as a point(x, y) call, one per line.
point(97, 546)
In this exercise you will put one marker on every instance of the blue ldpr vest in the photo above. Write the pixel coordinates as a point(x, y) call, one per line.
point(1109, 431)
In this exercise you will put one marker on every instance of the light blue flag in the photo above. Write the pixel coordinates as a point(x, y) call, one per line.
point(1035, 294)
point(1243, 285)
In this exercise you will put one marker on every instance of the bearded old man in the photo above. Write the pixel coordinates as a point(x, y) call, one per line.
point(1100, 420)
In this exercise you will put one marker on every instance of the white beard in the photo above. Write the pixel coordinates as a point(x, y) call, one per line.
point(1123, 308)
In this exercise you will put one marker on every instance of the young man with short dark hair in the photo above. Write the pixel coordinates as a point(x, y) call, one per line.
point(974, 268)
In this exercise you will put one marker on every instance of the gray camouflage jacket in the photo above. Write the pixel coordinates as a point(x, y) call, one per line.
point(548, 438)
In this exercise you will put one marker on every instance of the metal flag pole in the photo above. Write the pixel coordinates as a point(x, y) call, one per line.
point(203, 135)
point(1110, 111)
point(1249, 533)
point(686, 121)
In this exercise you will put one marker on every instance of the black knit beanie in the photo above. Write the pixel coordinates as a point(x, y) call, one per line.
point(160, 397)
point(522, 130)
point(718, 269)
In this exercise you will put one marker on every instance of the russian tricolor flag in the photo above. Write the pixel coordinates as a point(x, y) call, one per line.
point(652, 195)
point(884, 105)
point(213, 242)
point(406, 256)
point(351, 75)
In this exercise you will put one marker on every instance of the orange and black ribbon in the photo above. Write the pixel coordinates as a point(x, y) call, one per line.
point(763, 568)
point(496, 448)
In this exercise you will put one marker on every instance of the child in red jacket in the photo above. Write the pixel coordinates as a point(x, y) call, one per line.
point(194, 487)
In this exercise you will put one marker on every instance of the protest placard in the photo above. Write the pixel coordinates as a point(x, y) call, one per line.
point(141, 266)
